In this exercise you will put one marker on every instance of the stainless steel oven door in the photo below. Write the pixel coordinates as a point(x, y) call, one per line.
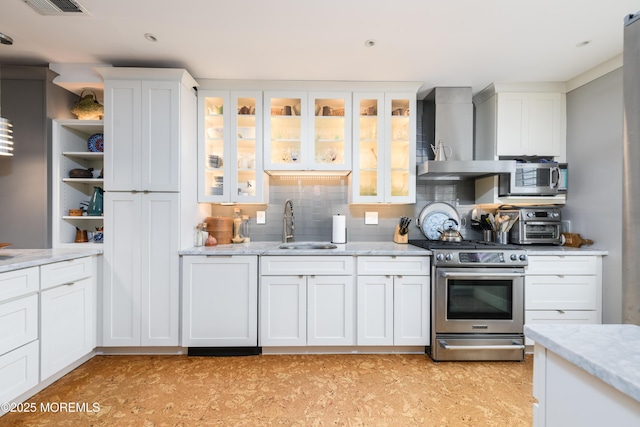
point(478, 300)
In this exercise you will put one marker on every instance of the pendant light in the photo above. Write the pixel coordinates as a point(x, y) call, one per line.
point(6, 132)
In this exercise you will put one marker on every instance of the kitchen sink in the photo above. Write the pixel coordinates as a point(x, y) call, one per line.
point(307, 246)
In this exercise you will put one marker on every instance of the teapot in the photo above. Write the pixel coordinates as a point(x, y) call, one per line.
point(450, 234)
point(440, 151)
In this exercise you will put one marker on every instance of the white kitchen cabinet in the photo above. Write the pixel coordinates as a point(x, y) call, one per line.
point(307, 301)
point(230, 163)
point(141, 269)
point(19, 345)
point(70, 151)
point(384, 135)
point(307, 131)
point(142, 127)
point(563, 289)
point(514, 120)
point(220, 301)
point(283, 311)
point(68, 325)
point(393, 302)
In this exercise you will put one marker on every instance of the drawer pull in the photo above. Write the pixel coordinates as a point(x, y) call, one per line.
point(561, 311)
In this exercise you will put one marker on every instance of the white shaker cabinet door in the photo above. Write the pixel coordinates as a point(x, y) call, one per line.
point(375, 310)
point(67, 325)
point(160, 269)
point(220, 301)
point(121, 287)
point(411, 310)
point(331, 310)
point(283, 311)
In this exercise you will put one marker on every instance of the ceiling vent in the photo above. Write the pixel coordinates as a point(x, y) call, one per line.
point(56, 7)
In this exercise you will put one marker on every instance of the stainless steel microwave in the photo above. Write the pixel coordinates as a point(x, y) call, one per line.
point(535, 179)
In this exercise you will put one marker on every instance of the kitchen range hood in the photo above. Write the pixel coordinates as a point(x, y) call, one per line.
point(448, 117)
point(457, 170)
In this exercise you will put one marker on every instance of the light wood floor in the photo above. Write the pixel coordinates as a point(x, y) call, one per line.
point(298, 390)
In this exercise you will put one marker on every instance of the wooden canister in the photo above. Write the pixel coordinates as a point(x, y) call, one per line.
point(221, 228)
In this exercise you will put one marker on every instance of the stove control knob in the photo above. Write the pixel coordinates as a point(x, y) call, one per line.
point(513, 257)
point(554, 214)
point(523, 257)
point(449, 257)
point(440, 257)
point(530, 214)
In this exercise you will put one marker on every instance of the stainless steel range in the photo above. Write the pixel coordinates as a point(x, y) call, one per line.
point(477, 297)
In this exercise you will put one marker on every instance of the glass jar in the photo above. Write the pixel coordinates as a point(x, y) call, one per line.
point(245, 229)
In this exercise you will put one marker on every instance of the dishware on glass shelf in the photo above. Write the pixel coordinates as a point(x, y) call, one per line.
point(215, 132)
point(327, 111)
point(215, 161)
point(295, 155)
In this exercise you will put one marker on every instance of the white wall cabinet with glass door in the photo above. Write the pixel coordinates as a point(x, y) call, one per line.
point(384, 145)
point(230, 167)
point(70, 146)
point(307, 131)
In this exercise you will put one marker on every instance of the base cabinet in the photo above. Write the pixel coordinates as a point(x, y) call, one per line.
point(68, 325)
point(563, 290)
point(298, 308)
point(18, 372)
point(393, 309)
point(220, 301)
point(141, 269)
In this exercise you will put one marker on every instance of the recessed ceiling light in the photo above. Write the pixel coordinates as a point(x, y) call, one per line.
point(5, 39)
point(370, 43)
point(150, 37)
point(583, 43)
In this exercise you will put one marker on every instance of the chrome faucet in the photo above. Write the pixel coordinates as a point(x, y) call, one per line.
point(288, 222)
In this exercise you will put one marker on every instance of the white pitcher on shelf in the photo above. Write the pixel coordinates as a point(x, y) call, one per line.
point(440, 151)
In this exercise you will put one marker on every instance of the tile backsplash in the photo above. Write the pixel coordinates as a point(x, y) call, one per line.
point(317, 199)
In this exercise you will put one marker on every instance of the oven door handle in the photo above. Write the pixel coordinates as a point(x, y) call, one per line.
point(470, 274)
point(514, 346)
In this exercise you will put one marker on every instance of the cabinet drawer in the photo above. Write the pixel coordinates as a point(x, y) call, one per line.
point(63, 272)
point(18, 322)
point(19, 282)
point(559, 317)
point(560, 292)
point(18, 372)
point(564, 265)
point(306, 265)
point(393, 266)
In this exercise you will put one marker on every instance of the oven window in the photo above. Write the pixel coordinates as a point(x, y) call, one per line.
point(486, 299)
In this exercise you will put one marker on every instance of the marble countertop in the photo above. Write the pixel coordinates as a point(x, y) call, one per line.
point(608, 352)
point(271, 248)
point(15, 259)
point(360, 248)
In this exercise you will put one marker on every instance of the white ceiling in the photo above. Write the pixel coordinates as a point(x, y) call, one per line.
point(441, 43)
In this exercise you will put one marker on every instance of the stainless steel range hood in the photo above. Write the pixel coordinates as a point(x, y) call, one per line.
point(458, 170)
point(448, 117)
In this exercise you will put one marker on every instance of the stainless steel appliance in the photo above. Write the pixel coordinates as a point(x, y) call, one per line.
point(477, 294)
point(534, 179)
point(540, 225)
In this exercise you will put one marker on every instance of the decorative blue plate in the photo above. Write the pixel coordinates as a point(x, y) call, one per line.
point(96, 143)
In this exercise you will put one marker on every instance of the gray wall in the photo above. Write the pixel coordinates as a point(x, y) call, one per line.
point(30, 101)
point(594, 154)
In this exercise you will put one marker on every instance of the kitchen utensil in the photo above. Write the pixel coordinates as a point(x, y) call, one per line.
point(403, 227)
point(81, 236)
point(4, 245)
point(221, 228)
point(450, 234)
point(432, 216)
point(574, 240)
point(440, 151)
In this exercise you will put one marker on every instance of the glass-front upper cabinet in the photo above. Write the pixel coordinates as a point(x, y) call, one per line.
point(368, 132)
point(307, 131)
point(384, 148)
point(230, 154)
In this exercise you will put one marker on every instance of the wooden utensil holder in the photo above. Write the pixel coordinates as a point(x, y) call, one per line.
point(398, 238)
